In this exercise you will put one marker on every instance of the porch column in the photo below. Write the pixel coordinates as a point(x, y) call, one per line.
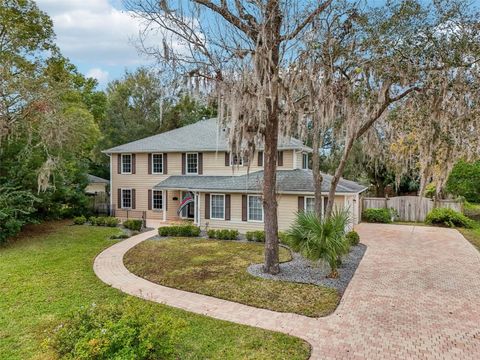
point(164, 198)
point(195, 208)
point(199, 214)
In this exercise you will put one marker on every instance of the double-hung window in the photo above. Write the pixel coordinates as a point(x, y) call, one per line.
point(126, 198)
point(126, 163)
point(157, 200)
point(157, 163)
point(309, 204)
point(304, 161)
point(217, 206)
point(255, 208)
point(192, 163)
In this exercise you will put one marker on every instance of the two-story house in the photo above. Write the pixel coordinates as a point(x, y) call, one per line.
point(189, 173)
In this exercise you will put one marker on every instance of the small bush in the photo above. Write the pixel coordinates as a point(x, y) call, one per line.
point(257, 235)
point(93, 220)
point(101, 221)
point(225, 234)
point(125, 331)
point(79, 220)
point(135, 225)
point(377, 215)
point(353, 238)
point(448, 217)
point(283, 237)
point(187, 230)
point(111, 221)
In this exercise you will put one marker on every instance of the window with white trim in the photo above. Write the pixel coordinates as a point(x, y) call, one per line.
point(309, 204)
point(255, 208)
point(192, 163)
point(236, 160)
point(217, 206)
point(157, 163)
point(304, 161)
point(157, 200)
point(126, 163)
point(126, 198)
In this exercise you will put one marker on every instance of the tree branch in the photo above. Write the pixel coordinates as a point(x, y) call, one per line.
point(307, 21)
point(231, 18)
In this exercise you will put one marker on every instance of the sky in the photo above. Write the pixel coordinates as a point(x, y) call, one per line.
point(96, 35)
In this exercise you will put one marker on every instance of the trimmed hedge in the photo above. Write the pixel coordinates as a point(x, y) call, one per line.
point(353, 238)
point(187, 230)
point(135, 225)
point(257, 235)
point(377, 216)
point(448, 217)
point(224, 234)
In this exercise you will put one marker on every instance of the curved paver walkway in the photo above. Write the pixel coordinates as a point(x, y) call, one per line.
point(415, 295)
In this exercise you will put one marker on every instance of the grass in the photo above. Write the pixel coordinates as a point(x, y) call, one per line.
point(47, 273)
point(472, 235)
point(219, 268)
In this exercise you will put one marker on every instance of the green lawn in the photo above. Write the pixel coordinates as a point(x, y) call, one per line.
point(219, 268)
point(47, 273)
point(472, 235)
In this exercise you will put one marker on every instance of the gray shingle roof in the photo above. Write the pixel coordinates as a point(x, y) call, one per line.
point(95, 179)
point(297, 180)
point(204, 135)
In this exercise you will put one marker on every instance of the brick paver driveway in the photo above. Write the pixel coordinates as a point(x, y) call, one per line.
point(415, 295)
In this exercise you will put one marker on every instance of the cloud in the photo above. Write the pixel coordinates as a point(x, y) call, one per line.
point(94, 32)
point(99, 74)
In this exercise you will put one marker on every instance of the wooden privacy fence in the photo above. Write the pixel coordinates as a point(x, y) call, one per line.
point(410, 208)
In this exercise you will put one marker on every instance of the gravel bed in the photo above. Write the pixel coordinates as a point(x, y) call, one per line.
point(304, 271)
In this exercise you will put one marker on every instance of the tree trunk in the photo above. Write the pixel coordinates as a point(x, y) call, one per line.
point(272, 31)
point(338, 175)
point(317, 175)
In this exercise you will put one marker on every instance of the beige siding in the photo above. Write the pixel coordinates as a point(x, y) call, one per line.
point(287, 208)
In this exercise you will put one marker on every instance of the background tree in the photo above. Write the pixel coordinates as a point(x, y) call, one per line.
point(464, 180)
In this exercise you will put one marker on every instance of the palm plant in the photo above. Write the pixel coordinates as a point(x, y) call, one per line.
point(324, 238)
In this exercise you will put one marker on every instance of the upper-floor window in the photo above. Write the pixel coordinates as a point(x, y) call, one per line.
point(192, 163)
point(255, 208)
point(157, 200)
point(309, 204)
point(157, 163)
point(126, 163)
point(237, 160)
point(126, 198)
point(217, 206)
point(304, 161)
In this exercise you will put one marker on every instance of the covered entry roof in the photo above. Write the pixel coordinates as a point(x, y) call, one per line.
point(297, 180)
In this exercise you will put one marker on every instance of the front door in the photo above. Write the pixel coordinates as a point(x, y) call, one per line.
point(188, 212)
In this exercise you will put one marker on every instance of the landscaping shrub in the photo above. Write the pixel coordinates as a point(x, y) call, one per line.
point(125, 331)
point(111, 221)
point(377, 215)
point(132, 224)
point(448, 217)
point(283, 237)
point(224, 234)
point(353, 238)
point(101, 221)
point(186, 230)
point(257, 235)
point(79, 220)
point(320, 238)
